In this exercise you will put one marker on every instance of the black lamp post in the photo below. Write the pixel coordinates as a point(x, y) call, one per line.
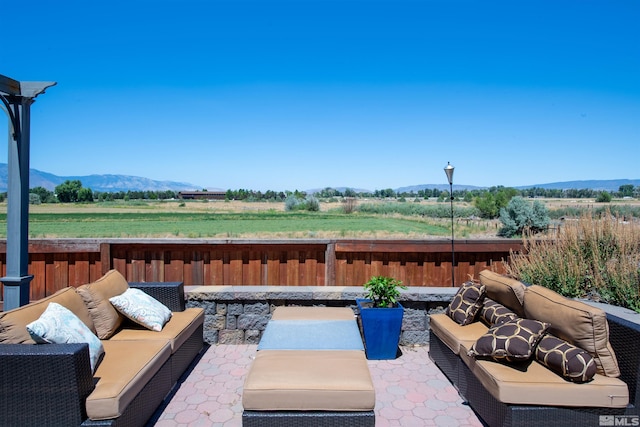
point(449, 171)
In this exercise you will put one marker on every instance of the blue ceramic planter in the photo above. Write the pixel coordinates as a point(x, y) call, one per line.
point(381, 327)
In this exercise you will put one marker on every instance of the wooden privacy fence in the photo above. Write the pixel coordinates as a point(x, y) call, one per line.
point(57, 263)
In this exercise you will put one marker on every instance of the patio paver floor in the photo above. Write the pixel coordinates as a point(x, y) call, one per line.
point(410, 391)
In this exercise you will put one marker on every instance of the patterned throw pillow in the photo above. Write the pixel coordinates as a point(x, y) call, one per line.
point(570, 362)
point(58, 325)
point(493, 313)
point(142, 309)
point(466, 303)
point(511, 341)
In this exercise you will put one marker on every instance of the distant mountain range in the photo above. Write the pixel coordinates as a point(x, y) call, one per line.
point(598, 185)
point(102, 183)
point(114, 183)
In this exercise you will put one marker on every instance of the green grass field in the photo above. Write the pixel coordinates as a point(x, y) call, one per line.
point(263, 220)
point(225, 225)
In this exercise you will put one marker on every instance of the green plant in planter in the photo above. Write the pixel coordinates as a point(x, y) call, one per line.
point(383, 291)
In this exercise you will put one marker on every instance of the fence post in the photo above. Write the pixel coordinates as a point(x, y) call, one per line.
point(330, 264)
point(105, 257)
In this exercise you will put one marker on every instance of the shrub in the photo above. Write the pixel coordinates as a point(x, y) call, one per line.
point(349, 205)
point(603, 197)
point(520, 216)
point(431, 211)
point(291, 203)
point(294, 203)
point(311, 204)
point(34, 199)
point(489, 203)
point(596, 258)
point(383, 291)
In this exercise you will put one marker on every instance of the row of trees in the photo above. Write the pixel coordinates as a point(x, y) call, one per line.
point(489, 201)
point(469, 195)
point(72, 191)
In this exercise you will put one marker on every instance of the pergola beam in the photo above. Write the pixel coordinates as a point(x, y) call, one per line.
point(9, 86)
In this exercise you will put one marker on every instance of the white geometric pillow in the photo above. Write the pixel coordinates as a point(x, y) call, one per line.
point(58, 325)
point(142, 309)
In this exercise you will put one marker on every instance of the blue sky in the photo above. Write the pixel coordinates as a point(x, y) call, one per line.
point(324, 93)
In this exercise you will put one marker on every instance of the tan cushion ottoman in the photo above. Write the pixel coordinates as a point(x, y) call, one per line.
point(309, 380)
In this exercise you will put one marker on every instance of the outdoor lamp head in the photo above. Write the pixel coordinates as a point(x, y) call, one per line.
point(449, 171)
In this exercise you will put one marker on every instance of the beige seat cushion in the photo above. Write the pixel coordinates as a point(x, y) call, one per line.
point(126, 368)
point(180, 327)
point(313, 313)
point(576, 322)
point(96, 296)
point(453, 334)
point(309, 380)
point(505, 290)
point(538, 385)
point(13, 323)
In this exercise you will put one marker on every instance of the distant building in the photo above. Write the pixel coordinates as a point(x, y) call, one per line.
point(202, 195)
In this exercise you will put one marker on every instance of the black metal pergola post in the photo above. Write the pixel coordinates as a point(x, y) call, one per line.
point(17, 98)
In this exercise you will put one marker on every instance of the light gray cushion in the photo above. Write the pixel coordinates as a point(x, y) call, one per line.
point(142, 308)
point(58, 325)
point(311, 335)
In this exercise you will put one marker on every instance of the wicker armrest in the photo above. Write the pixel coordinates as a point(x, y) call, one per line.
point(44, 384)
point(624, 337)
point(170, 294)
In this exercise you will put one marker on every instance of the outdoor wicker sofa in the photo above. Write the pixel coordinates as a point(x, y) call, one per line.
point(531, 395)
point(53, 384)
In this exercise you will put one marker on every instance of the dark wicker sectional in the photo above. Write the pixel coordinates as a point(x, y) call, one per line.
point(47, 385)
point(624, 337)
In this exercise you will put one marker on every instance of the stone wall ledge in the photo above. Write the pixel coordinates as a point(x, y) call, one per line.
point(239, 314)
point(309, 293)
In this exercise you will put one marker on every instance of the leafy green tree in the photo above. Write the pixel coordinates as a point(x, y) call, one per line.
point(85, 195)
point(490, 202)
point(603, 197)
point(67, 192)
point(349, 192)
point(520, 216)
point(486, 204)
point(626, 190)
point(45, 195)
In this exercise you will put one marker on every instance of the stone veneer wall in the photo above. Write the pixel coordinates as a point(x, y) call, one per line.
point(239, 314)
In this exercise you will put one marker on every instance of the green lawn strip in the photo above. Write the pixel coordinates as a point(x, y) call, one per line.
point(151, 224)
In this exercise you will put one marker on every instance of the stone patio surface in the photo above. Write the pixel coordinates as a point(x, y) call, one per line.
point(410, 391)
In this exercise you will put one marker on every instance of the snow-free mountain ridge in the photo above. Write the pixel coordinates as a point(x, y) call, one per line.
point(115, 183)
